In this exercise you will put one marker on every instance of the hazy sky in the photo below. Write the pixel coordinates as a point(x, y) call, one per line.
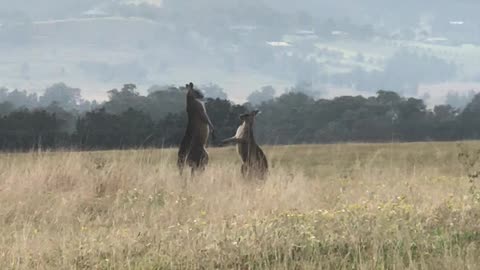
point(339, 47)
point(151, 2)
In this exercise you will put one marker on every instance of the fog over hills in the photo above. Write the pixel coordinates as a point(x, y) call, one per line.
point(326, 48)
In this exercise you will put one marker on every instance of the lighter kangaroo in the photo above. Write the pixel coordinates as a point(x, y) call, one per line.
point(255, 164)
point(192, 149)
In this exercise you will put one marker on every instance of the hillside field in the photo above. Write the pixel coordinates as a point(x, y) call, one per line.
point(345, 206)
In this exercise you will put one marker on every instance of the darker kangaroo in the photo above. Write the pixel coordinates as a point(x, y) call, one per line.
point(192, 149)
point(255, 162)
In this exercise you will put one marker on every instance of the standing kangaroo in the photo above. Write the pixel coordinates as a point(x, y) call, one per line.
point(192, 149)
point(255, 162)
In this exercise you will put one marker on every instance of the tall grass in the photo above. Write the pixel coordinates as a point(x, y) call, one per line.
point(352, 206)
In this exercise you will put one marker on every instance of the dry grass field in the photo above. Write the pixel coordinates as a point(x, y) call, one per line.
point(350, 206)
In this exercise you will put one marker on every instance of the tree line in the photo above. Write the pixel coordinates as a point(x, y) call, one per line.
point(131, 120)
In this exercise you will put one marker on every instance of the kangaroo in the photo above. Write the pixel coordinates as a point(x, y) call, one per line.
point(192, 150)
point(255, 162)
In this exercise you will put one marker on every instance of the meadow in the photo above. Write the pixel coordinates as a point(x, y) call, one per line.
point(345, 206)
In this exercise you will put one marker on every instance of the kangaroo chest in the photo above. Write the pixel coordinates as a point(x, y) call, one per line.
point(241, 132)
point(246, 147)
point(198, 128)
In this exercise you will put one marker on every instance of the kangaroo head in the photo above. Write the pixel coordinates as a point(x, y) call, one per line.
point(194, 93)
point(249, 118)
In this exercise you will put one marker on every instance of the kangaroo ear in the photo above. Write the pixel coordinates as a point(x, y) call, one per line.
point(190, 85)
